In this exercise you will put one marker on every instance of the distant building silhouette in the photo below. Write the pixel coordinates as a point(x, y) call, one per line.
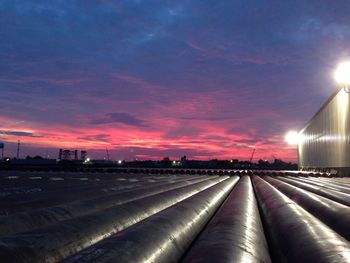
point(65, 154)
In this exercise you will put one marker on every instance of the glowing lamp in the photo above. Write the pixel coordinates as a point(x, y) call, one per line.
point(292, 138)
point(342, 74)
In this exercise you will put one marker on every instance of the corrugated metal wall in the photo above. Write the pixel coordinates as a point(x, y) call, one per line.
point(325, 141)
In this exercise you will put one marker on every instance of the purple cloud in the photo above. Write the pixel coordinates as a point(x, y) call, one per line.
point(121, 118)
point(19, 133)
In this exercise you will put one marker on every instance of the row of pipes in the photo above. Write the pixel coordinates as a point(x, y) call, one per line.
point(60, 192)
point(192, 219)
point(191, 171)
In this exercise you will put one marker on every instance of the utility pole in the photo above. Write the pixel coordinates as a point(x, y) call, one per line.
point(19, 142)
point(107, 154)
point(2, 146)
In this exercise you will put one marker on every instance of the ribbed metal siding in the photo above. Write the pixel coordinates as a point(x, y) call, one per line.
point(324, 141)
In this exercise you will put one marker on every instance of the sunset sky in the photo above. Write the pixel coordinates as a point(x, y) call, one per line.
point(148, 79)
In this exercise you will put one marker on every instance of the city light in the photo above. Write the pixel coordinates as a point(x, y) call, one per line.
point(342, 74)
point(120, 161)
point(292, 137)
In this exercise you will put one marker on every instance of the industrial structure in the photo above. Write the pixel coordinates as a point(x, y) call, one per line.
point(324, 142)
point(71, 155)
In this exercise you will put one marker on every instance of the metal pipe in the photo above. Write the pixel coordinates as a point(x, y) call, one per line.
point(333, 214)
point(326, 185)
point(38, 218)
point(20, 203)
point(330, 194)
point(163, 237)
point(294, 235)
point(334, 183)
point(235, 234)
point(58, 241)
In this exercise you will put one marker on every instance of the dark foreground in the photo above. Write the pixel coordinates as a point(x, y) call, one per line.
point(107, 217)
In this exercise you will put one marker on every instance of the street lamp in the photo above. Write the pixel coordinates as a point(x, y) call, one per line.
point(342, 75)
point(292, 137)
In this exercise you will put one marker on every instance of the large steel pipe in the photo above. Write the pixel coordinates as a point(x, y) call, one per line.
point(42, 200)
point(38, 218)
point(323, 185)
point(235, 234)
point(65, 182)
point(294, 235)
point(55, 182)
point(334, 214)
point(332, 180)
point(345, 180)
point(58, 241)
point(330, 194)
point(334, 183)
point(163, 237)
point(21, 203)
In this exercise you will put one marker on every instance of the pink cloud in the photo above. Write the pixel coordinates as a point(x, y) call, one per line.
point(175, 122)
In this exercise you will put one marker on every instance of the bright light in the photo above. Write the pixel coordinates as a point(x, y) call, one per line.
point(174, 162)
point(342, 74)
point(86, 161)
point(120, 161)
point(292, 138)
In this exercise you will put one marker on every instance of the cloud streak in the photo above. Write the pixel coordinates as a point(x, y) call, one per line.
point(121, 118)
point(19, 133)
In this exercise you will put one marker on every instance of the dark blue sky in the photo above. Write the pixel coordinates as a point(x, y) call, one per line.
point(146, 79)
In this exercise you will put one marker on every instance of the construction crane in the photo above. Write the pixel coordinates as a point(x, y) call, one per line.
point(251, 157)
